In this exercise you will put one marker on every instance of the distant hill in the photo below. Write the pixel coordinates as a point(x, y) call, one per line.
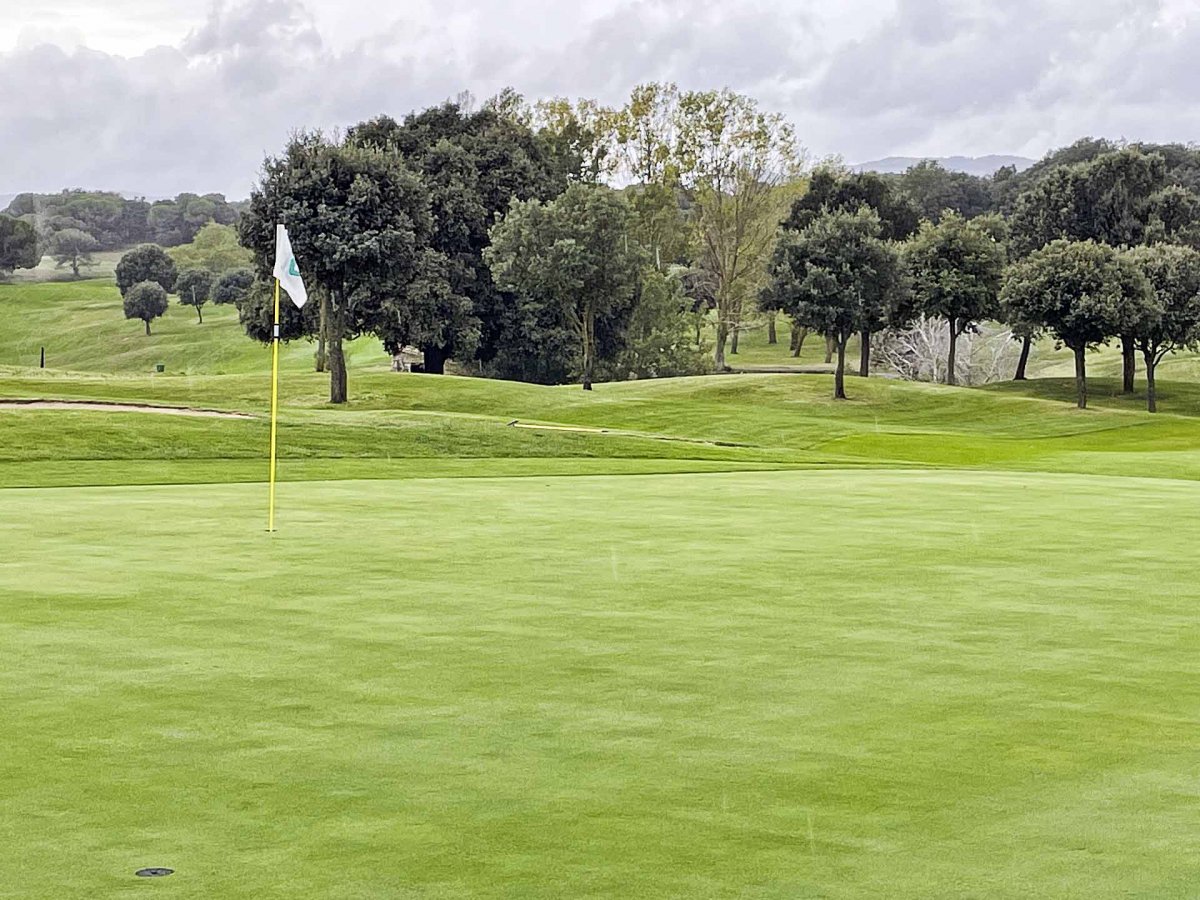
point(6, 199)
point(972, 165)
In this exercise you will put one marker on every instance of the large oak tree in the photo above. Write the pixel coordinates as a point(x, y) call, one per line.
point(572, 255)
point(360, 227)
point(835, 275)
point(1081, 291)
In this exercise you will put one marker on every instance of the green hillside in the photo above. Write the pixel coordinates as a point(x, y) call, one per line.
point(83, 328)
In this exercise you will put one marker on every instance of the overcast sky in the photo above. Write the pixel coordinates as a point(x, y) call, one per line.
point(159, 96)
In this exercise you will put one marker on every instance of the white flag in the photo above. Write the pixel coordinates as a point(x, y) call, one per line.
point(286, 269)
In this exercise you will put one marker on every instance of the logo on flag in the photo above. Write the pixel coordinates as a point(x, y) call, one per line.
point(286, 269)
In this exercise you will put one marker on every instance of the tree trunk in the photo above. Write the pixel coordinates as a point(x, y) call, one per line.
point(337, 358)
point(839, 376)
point(322, 327)
point(1026, 343)
point(771, 336)
point(1151, 393)
point(795, 339)
point(589, 353)
point(1128, 364)
point(828, 348)
point(733, 341)
point(952, 361)
point(864, 354)
point(75, 266)
point(1080, 378)
point(200, 316)
point(435, 360)
point(147, 321)
point(719, 348)
point(798, 336)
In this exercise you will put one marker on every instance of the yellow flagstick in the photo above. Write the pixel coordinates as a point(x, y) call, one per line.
point(274, 406)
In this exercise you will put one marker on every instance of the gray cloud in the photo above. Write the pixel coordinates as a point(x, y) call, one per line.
point(869, 78)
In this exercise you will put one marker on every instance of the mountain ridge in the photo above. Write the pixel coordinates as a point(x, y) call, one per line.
point(972, 165)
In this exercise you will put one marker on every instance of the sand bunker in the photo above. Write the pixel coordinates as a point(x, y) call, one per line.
point(121, 407)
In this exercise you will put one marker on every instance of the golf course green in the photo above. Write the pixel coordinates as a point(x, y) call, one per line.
point(701, 637)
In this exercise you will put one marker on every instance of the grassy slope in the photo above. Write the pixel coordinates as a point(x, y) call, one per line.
point(781, 420)
point(82, 327)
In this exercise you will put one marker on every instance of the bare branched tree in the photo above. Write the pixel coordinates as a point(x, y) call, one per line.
point(919, 353)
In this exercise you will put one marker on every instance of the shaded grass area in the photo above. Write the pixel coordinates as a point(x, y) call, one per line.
point(785, 684)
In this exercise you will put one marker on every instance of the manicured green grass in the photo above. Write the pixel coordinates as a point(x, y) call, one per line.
point(836, 684)
point(701, 637)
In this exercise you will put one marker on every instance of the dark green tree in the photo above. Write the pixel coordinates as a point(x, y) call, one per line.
point(572, 254)
point(73, 248)
point(1112, 198)
point(956, 267)
point(145, 300)
point(1172, 322)
point(835, 275)
point(232, 286)
point(360, 228)
point(1080, 291)
point(473, 165)
point(194, 287)
point(933, 190)
point(148, 262)
point(829, 191)
point(18, 245)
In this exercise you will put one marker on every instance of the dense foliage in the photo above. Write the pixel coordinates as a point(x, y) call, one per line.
point(146, 300)
point(149, 262)
point(116, 221)
point(361, 229)
point(836, 276)
point(18, 245)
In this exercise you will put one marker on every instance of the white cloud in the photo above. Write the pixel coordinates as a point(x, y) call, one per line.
point(168, 96)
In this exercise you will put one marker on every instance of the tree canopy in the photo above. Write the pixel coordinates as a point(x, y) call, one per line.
point(834, 276)
point(956, 267)
point(571, 256)
point(194, 287)
point(148, 262)
point(18, 245)
point(1172, 321)
point(1081, 291)
point(361, 229)
point(146, 300)
point(473, 165)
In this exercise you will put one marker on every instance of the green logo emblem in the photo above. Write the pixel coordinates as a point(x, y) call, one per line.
point(293, 269)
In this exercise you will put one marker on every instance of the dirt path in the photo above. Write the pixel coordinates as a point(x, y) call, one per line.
point(101, 406)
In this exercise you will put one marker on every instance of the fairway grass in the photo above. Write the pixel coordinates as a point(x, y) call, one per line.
point(772, 684)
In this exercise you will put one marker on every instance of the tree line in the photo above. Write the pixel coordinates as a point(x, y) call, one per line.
point(73, 224)
point(490, 237)
point(1101, 247)
point(562, 240)
point(147, 274)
